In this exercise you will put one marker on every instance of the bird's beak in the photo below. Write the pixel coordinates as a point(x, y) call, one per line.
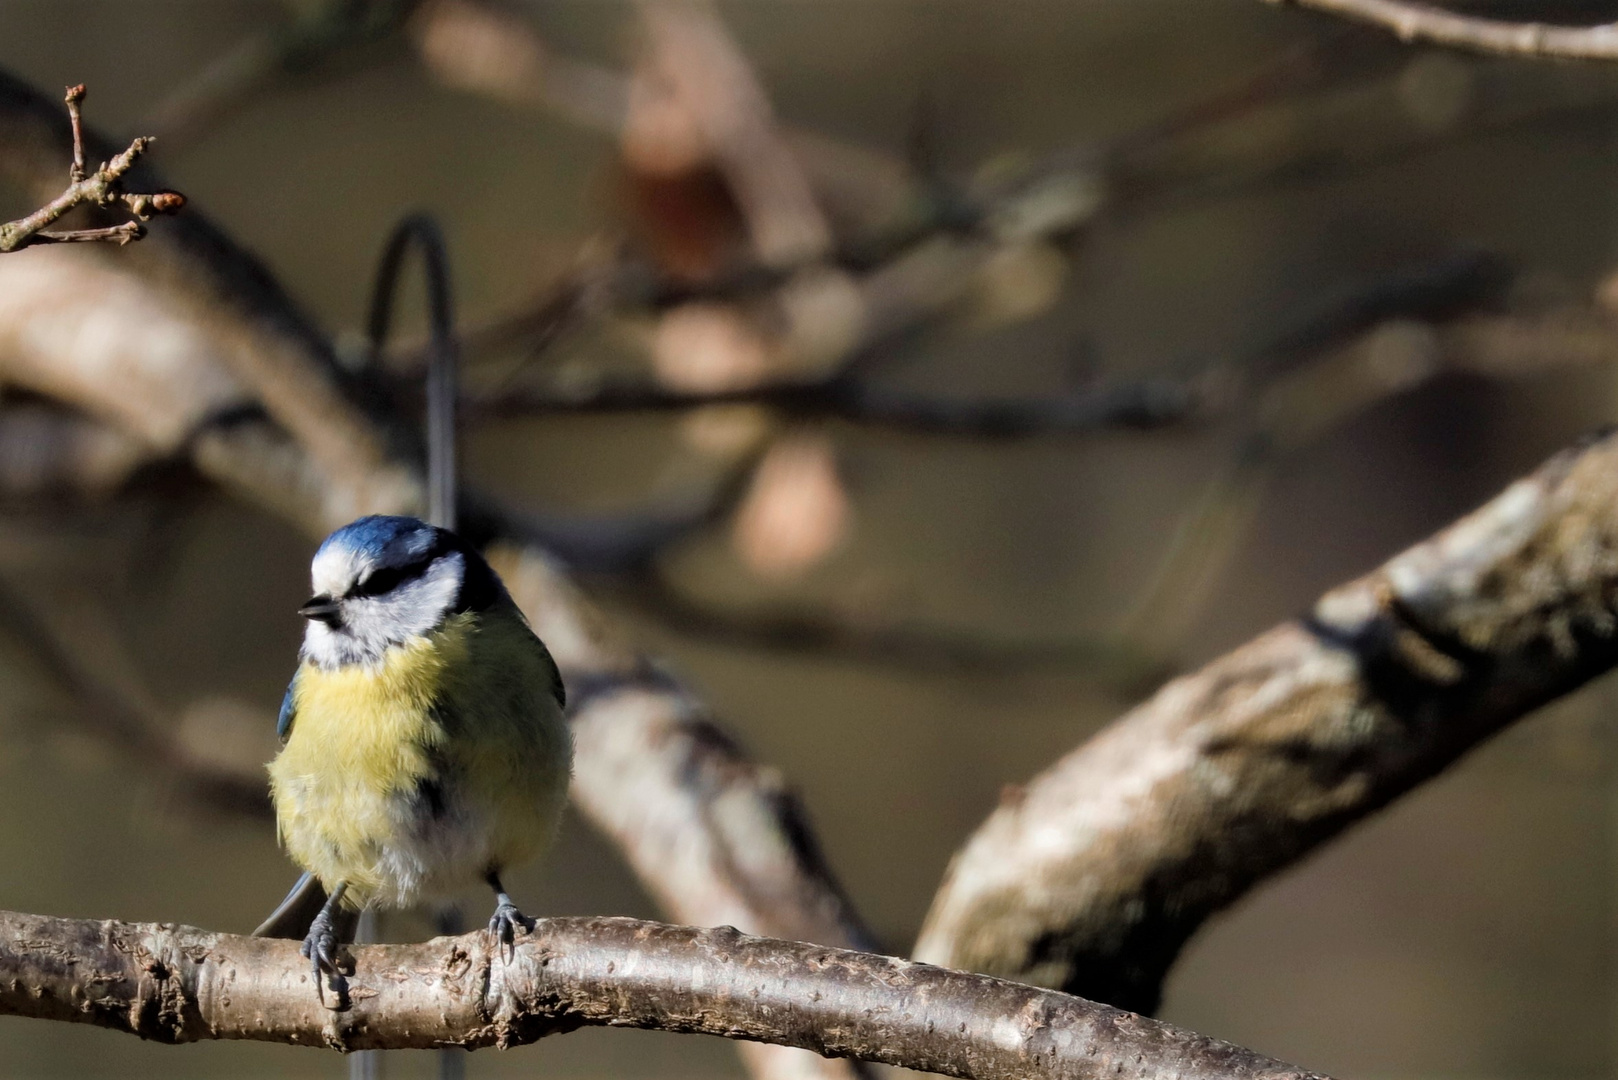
point(321, 608)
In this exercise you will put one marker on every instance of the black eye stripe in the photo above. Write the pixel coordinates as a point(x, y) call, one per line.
point(385, 579)
point(479, 587)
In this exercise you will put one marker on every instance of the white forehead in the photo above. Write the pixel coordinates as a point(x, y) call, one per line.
point(336, 568)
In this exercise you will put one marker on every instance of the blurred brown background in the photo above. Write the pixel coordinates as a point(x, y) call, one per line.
point(1467, 932)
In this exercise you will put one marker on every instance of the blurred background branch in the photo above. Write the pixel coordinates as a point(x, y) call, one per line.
point(1430, 24)
point(1093, 876)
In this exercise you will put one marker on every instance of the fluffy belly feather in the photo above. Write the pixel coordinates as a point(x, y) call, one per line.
point(417, 777)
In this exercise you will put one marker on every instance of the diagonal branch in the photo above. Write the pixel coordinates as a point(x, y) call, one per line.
point(1426, 23)
point(177, 984)
point(1093, 876)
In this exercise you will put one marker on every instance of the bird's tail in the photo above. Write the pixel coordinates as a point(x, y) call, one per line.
point(292, 916)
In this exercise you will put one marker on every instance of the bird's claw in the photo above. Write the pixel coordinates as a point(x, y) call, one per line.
point(320, 948)
point(503, 925)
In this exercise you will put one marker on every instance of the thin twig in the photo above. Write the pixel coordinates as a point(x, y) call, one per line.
point(1417, 22)
point(910, 645)
point(1434, 289)
point(307, 40)
point(75, 98)
point(104, 187)
point(442, 496)
point(1144, 405)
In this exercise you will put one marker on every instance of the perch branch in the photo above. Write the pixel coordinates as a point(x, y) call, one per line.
point(176, 984)
point(104, 187)
point(1093, 876)
point(1417, 22)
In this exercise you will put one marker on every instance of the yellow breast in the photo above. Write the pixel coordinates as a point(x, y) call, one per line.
point(361, 737)
point(469, 707)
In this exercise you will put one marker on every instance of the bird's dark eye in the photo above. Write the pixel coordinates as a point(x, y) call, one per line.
point(382, 580)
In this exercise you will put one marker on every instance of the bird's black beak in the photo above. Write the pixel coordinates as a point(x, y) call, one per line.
point(322, 608)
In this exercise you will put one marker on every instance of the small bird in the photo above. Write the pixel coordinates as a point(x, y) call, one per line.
point(423, 742)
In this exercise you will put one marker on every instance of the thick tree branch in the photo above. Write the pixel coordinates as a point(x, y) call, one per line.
point(49, 452)
point(177, 984)
point(1093, 876)
point(1426, 23)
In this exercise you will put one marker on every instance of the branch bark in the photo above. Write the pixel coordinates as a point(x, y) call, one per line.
point(1425, 23)
point(177, 984)
point(1094, 876)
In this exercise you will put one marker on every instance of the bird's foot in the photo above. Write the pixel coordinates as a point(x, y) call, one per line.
point(504, 922)
point(321, 947)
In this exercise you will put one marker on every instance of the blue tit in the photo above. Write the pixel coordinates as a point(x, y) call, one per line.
point(424, 745)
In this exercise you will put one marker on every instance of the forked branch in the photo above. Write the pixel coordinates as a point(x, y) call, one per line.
point(104, 188)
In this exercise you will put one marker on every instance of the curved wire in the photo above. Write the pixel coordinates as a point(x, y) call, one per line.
point(443, 350)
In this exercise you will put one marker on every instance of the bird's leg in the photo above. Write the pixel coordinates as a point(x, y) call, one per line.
point(506, 918)
point(320, 945)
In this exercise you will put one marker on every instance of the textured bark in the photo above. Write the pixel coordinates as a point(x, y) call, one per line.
point(177, 984)
point(1093, 877)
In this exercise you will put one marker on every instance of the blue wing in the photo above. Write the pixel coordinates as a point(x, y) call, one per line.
point(283, 724)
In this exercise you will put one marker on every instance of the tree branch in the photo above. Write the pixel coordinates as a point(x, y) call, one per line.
point(1438, 289)
point(303, 43)
point(1417, 22)
point(1094, 876)
point(177, 984)
point(868, 640)
point(104, 187)
point(1148, 404)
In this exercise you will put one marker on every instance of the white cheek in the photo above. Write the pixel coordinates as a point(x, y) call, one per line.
point(324, 646)
point(370, 626)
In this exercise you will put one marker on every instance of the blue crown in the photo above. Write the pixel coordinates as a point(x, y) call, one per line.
point(390, 541)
